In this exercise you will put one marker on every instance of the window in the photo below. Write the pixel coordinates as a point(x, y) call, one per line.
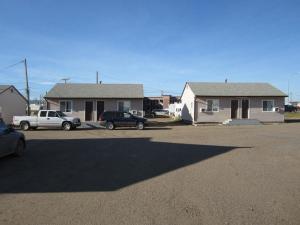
point(43, 113)
point(123, 106)
point(127, 115)
point(212, 105)
point(66, 106)
point(52, 114)
point(268, 105)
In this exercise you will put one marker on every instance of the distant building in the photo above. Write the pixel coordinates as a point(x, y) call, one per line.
point(175, 109)
point(36, 105)
point(295, 103)
point(12, 103)
point(159, 102)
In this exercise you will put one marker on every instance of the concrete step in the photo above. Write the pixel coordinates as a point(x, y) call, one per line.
point(232, 122)
point(94, 125)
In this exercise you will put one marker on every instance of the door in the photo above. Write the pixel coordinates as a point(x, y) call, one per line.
point(234, 108)
point(53, 119)
point(100, 109)
point(128, 120)
point(245, 108)
point(89, 111)
point(42, 118)
point(118, 119)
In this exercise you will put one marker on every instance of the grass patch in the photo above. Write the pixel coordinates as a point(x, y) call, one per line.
point(292, 115)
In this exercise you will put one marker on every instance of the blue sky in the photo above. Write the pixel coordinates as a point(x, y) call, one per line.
point(161, 44)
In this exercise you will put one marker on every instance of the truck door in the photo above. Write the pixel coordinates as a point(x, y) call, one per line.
point(53, 119)
point(42, 118)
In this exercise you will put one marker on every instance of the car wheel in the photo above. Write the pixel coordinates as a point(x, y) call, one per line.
point(140, 126)
point(25, 126)
point(110, 126)
point(67, 126)
point(19, 151)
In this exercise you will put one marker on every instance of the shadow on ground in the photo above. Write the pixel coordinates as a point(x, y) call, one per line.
point(81, 165)
point(292, 120)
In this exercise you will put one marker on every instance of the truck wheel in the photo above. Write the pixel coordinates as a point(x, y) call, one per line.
point(19, 151)
point(25, 126)
point(67, 126)
point(110, 126)
point(140, 126)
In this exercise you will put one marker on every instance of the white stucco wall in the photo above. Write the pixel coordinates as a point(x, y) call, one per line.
point(188, 104)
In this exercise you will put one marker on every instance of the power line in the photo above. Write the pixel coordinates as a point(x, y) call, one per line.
point(12, 65)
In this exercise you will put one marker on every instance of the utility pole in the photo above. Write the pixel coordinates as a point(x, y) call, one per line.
point(289, 91)
point(27, 88)
point(65, 79)
point(97, 81)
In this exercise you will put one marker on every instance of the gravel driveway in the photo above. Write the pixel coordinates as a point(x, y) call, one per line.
point(164, 175)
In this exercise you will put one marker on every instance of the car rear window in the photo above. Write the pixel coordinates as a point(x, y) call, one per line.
point(108, 115)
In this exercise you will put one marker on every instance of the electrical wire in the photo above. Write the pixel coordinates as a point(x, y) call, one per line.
point(12, 65)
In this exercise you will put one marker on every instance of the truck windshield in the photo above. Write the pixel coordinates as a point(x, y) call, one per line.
point(60, 114)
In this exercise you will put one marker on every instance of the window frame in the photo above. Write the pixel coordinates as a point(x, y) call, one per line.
point(52, 111)
point(64, 111)
point(212, 108)
point(269, 100)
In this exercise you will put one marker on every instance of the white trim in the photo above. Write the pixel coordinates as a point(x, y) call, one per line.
point(66, 100)
point(262, 105)
point(212, 99)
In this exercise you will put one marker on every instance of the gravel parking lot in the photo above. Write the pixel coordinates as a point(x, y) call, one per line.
point(161, 175)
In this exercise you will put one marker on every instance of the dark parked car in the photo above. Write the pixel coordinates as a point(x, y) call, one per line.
point(113, 119)
point(290, 108)
point(11, 141)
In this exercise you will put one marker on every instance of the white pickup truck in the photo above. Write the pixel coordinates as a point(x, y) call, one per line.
point(47, 118)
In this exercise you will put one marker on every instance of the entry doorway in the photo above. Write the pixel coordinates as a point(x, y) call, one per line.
point(88, 111)
point(100, 109)
point(245, 108)
point(234, 108)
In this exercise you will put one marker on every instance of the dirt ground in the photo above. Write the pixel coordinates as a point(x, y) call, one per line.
point(166, 175)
